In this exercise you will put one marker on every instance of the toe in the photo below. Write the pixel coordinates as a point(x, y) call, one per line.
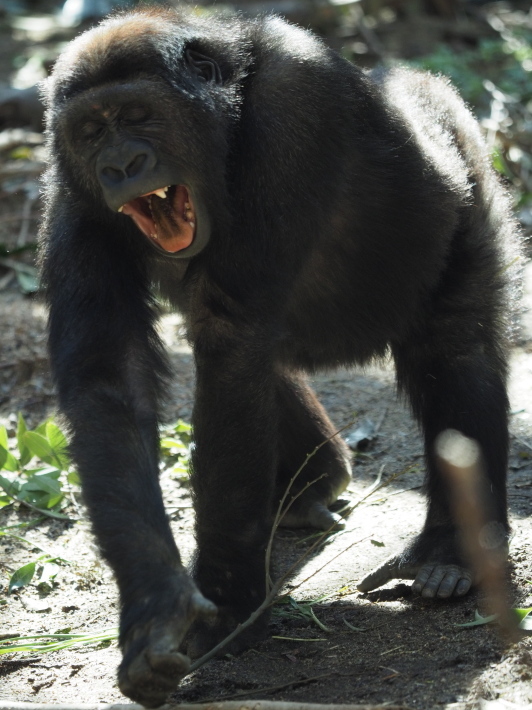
point(379, 576)
point(431, 586)
point(321, 518)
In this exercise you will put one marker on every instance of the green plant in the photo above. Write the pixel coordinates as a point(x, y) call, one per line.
point(176, 445)
point(39, 473)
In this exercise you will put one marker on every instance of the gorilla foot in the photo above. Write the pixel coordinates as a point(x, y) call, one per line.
point(434, 561)
point(430, 579)
point(312, 514)
point(152, 664)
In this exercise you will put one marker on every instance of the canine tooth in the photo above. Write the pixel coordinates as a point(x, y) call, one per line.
point(121, 208)
point(187, 205)
point(161, 192)
point(192, 224)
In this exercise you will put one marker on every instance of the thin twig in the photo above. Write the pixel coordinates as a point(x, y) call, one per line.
point(280, 512)
point(378, 484)
point(273, 588)
point(244, 625)
point(317, 571)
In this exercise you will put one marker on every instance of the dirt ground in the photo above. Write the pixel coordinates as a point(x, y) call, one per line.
point(387, 646)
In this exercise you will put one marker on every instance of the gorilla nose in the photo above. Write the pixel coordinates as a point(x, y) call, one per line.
point(127, 163)
point(115, 173)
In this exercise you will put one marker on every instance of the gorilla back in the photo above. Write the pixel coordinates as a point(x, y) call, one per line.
point(299, 214)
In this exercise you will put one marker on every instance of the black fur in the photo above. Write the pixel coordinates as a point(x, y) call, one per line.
point(339, 215)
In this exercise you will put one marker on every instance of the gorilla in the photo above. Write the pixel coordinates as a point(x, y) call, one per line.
point(300, 214)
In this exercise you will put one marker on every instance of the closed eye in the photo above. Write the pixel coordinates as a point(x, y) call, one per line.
point(91, 130)
point(131, 115)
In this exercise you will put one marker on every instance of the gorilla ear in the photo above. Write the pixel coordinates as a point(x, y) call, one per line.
point(205, 68)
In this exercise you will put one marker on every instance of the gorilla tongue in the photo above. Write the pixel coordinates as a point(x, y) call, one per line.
point(168, 221)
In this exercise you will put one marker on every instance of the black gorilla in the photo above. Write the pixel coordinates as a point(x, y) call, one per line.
point(300, 214)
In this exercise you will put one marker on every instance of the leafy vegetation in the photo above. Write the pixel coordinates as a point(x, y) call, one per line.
point(36, 471)
point(176, 446)
point(42, 643)
point(496, 79)
point(506, 66)
point(39, 473)
point(523, 619)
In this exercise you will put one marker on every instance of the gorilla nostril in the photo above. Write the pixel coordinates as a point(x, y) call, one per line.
point(136, 165)
point(113, 175)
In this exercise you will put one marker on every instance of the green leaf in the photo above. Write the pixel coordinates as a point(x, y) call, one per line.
point(479, 620)
point(7, 461)
point(39, 446)
point(173, 444)
point(59, 444)
point(24, 452)
point(524, 619)
point(43, 482)
point(10, 487)
point(377, 543)
point(42, 490)
point(4, 500)
point(182, 427)
point(10, 463)
point(22, 576)
point(353, 628)
point(73, 478)
point(41, 429)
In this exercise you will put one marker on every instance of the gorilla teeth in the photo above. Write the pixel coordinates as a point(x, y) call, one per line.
point(161, 192)
point(121, 208)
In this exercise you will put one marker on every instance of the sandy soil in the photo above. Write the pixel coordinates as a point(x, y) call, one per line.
point(404, 649)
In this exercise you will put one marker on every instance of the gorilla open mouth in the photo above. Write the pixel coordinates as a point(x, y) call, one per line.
point(166, 216)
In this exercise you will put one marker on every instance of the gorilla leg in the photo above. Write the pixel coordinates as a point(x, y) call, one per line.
point(454, 373)
point(303, 426)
